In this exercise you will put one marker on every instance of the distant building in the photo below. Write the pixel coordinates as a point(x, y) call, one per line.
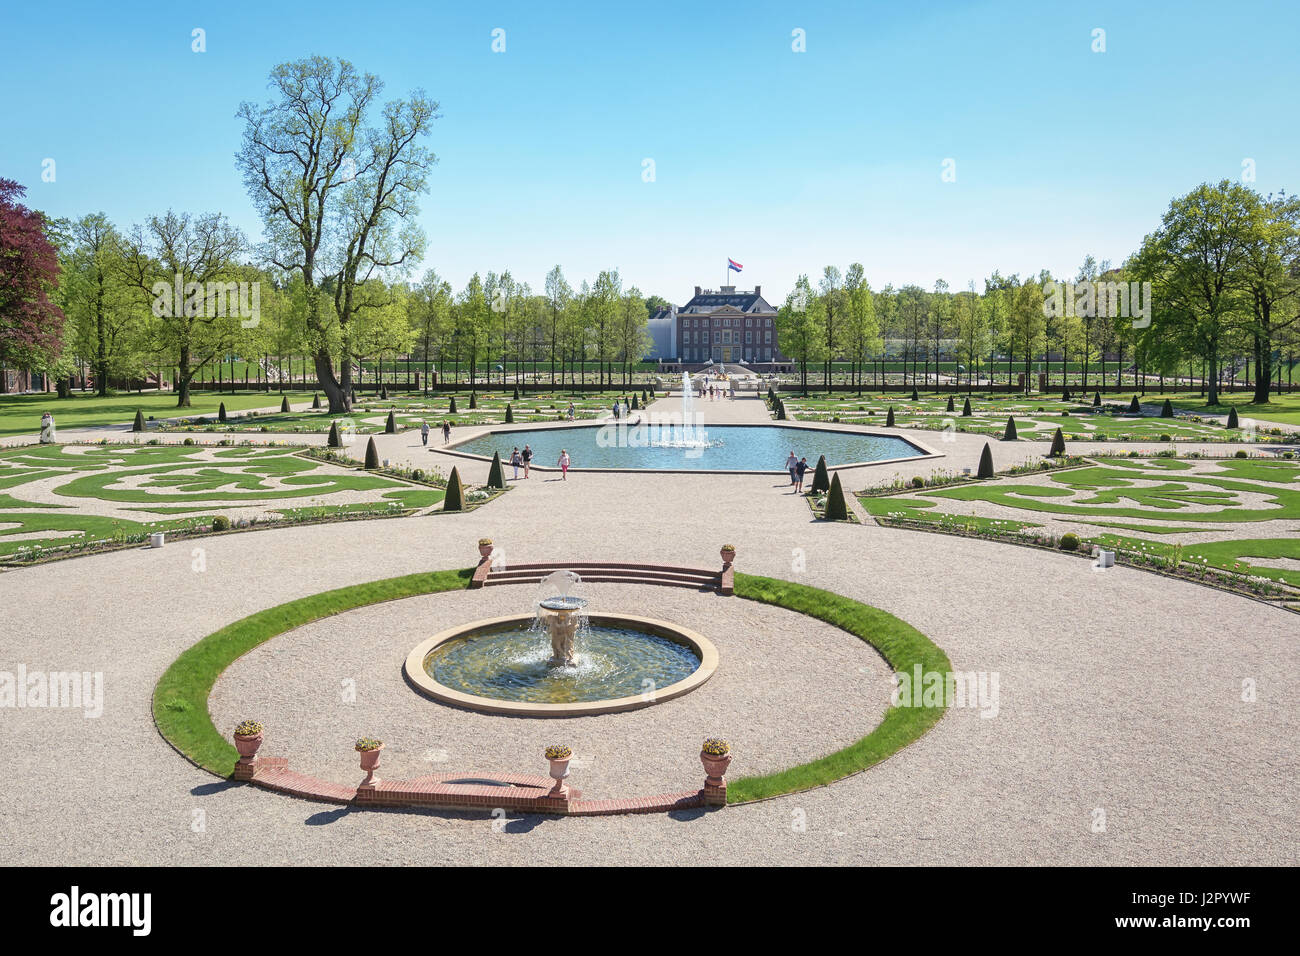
point(720, 327)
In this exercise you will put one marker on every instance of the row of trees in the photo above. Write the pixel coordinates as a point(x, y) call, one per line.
point(1224, 274)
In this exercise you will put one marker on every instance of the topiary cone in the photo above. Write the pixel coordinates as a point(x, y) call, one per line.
point(390, 426)
point(635, 402)
point(1167, 410)
point(837, 509)
point(986, 463)
point(221, 412)
point(451, 407)
point(315, 401)
point(951, 405)
point(138, 425)
point(284, 405)
point(1232, 418)
point(496, 474)
point(1096, 399)
point(965, 409)
point(372, 455)
point(915, 396)
point(516, 394)
point(889, 419)
point(1065, 395)
point(1135, 407)
point(821, 480)
point(1010, 433)
point(454, 500)
point(510, 414)
point(335, 439)
point(1058, 445)
point(473, 400)
point(383, 392)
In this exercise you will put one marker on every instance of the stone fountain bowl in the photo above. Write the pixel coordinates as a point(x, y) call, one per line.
point(563, 603)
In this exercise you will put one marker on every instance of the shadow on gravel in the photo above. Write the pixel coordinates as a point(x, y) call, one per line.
point(208, 789)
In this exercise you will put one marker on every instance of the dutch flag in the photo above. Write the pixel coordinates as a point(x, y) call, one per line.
point(733, 264)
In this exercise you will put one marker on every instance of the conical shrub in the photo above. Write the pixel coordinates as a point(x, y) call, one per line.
point(451, 407)
point(496, 474)
point(837, 509)
point(821, 480)
point(473, 400)
point(372, 455)
point(780, 410)
point(315, 401)
point(390, 426)
point(952, 407)
point(985, 469)
point(1233, 422)
point(1058, 445)
point(221, 412)
point(889, 419)
point(1096, 399)
point(1065, 395)
point(1009, 434)
point(965, 409)
point(1135, 407)
point(510, 414)
point(1167, 410)
point(645, 399)
point(284, 405)
point(454, 500)
point(335, 439)
point(915, 396)
point(516, 393)
point(138, 425)
point(635, 402)
point(383, 392)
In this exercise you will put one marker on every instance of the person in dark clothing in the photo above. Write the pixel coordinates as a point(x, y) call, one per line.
point(800, 470)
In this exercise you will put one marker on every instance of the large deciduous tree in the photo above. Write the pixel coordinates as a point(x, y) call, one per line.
point(337, 197)
point(31, 325)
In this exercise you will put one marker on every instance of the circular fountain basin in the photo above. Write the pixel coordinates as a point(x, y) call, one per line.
point(501, 666)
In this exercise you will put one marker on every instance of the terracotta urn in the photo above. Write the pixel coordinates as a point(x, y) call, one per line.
point(485, 550)
point(247, 746)
point(370, 763)
point(559, 772)
point(728, 555)
point(715, 768)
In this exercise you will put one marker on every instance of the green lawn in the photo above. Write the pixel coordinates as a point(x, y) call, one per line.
point(21, 414)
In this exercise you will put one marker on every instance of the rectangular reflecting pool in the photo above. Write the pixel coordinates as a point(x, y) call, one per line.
point(705, 448)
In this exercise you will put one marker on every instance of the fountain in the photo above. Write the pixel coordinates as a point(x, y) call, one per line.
point(563, 615)
point(559, 660)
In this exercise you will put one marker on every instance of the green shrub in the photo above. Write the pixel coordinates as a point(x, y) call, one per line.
point(1058, 445)
point(965, 409)
point(455, 497)
point(383, 392)
point(951, 405)
point(1166, 438)
point(918, 481)
point(837, 509)
point(496, 474)
point(1232, 418)
point(889, 419)
point(516, 393)
point(821, 480)
point(451, 407)
point(372, 455)
point(510, 414)
point(1135, 407)
point(1241, 453)
point(284, 405)
point(915, 396)
point(1009, 433)
point(315, 401)
point(221, 412)
point(986, 463)
point(188, 441)
point(1096, 399)
point(138, 426)
point(1167, 409)
point(390, 426)
point(473, 400)
point(335, 440)
point(1069, 541)
point(220, 523)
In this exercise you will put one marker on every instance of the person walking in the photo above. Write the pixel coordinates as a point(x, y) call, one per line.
point(615, 410)
point(424, 433)
point(47, 429)
point(801, 469)
point(527, 456)
point(564, 464)
point(516, 461)
point(446, 432)
point(792, 466)
point(570, 412)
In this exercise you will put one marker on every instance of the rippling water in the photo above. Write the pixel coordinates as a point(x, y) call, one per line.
point(512, 665)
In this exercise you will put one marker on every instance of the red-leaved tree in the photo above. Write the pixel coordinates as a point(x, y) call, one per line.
point(31, 326)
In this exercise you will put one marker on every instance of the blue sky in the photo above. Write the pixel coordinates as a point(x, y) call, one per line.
point(783, 161)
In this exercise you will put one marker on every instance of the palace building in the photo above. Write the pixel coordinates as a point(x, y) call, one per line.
point(723, 326)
